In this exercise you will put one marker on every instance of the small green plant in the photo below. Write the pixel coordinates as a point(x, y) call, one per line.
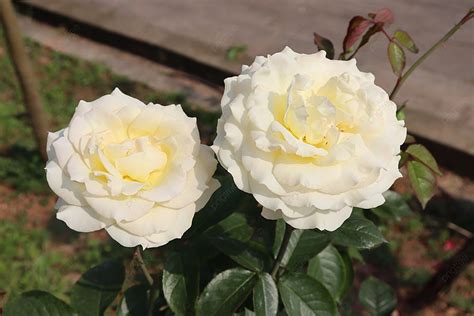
point(234, 51)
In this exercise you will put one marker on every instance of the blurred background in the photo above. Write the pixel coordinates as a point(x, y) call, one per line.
point(179, 52)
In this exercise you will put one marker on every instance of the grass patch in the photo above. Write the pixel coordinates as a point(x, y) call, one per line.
point(32, 259)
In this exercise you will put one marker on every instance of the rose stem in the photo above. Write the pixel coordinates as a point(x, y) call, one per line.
point(282, 250)
point(154, 292)
point(141, 263)
point(453, 30)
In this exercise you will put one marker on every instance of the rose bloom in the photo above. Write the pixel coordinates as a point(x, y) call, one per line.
point(309, 137)
point(137, 170)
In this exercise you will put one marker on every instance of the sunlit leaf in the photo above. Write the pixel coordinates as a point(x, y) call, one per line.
point(358, 232)
point(265, 296)
point(396, 56)
point(224, 294)
point(422, 180)
point(303, 295)
point(406, 41)
point(333, 271)
point(422, 154)
point(180, 282)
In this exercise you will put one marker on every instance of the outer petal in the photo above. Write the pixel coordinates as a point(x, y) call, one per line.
point(126, 239)
point(213, 185)
point(322, 220)
point(158, 219)
point(119, 209)
point(79, 218)
point(69, 191)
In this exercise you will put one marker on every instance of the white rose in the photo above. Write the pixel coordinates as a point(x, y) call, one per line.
point(137, 170)
point(309, 137)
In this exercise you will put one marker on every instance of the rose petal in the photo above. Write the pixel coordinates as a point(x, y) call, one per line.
point(79, 218)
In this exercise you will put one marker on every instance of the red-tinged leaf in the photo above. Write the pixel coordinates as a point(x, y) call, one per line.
point(357, 26)
point(383, 15)
point(396, 55)
point(374, 29)
point(324, 44)
point(405, 40)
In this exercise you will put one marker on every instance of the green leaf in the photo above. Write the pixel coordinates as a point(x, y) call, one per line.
point(354, 253)
point(222, 203)
point(224, 294)
point(245, 312)
point(242, 253)
point(232, 237)
point(422, 154)
point(349, 273)
point(303, 295)
point(333, 271)
point(396, 56)
point(406, 41)
point(401, 115)
point(234, 51)
point(324, 44)
point(181, 282)
point(280, 227)
point(235, 226)
point(134, 301)
point(410, 139)
point(37, 303)
point(303, 245)
point(265, 296)
point(395, 207)
point(377, 297)
point(97, 288)
point(422, 180)
point(403, 159)
point(248, 312)
point(358, 232)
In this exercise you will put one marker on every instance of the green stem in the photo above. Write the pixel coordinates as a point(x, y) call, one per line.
point(141, 263)
point(282, 250)
point(453, 30)
point(154, 290)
